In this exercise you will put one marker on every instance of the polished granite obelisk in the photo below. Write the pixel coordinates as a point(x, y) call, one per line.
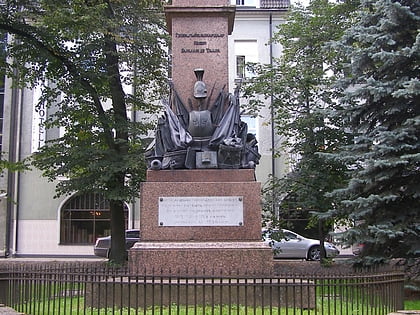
point(204, 221)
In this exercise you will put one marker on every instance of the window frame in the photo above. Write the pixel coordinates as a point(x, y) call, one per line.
point(241, 66)
point(84, 218)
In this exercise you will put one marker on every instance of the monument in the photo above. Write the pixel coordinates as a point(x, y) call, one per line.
point(200, 204)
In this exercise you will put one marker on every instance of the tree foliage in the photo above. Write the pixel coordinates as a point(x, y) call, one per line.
point(300, 84)
point(381, 106)
point(5, 163)
point(85, 54)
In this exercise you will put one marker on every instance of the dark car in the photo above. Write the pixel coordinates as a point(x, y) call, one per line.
point(103, 244)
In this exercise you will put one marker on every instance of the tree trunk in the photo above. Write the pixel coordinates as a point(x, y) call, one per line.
point(118, 254)
point(321, 235)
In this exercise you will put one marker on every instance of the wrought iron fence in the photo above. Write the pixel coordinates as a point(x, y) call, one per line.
point(63, 289)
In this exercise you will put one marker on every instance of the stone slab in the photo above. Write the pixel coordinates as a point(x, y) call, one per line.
point(203, 291)
point(179, 11)
point(202, 258)
point(203, 175)
point(151, 230)
point(200, 245)
point(201, 211)
point(199, 40)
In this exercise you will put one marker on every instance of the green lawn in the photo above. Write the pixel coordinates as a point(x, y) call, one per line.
point(331, 298)
point(76, 306)
point(412, 305)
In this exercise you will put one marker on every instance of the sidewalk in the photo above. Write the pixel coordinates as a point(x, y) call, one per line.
point(4, 310)
point(50, 259)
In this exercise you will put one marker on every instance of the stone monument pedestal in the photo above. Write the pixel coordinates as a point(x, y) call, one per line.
point(205, 222)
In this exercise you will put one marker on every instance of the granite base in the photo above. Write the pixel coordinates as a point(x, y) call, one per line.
point(218, 247)
point(201, 258)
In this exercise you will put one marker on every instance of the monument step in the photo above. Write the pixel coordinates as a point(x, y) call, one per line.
point(202, 175)
point(198, 245)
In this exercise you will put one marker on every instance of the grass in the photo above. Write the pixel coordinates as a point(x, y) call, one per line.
point(412, 305)
point(75, 306)
point(332, 297)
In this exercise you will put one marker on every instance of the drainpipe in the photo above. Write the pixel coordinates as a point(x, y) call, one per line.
point(18, 174)
point(273, 164)
point(13, 177)
point(134, 119)
point(273, 133)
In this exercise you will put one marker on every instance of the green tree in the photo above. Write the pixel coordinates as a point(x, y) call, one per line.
point(381, 106)
point(84, 53)
point(299, 84)
point(6, 164)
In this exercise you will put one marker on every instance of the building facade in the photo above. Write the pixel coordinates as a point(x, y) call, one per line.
point(35, 223)
point(255, 24)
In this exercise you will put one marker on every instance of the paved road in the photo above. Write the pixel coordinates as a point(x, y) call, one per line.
point(40, 259)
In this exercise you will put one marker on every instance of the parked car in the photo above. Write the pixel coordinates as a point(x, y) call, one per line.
point(293, 245)
point(357, 248)
point(103, 244)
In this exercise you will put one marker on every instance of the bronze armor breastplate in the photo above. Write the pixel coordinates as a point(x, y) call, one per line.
point(200, 124)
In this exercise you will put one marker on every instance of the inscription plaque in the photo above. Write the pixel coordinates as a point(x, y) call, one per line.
point(201, 211)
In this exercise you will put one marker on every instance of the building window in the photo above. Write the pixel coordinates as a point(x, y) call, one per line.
point(246, 51)
point(251, 123)
point(248, 3)
point(240, 67)
point(84, 218)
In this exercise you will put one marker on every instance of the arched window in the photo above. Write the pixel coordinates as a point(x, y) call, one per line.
point(84, 218)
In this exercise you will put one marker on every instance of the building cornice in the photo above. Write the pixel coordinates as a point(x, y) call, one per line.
point(252, 13)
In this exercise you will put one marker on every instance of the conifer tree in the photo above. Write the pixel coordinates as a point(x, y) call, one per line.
point(299, 84)
point(382, 108)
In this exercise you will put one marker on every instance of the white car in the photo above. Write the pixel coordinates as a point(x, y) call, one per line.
point(293, 245)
